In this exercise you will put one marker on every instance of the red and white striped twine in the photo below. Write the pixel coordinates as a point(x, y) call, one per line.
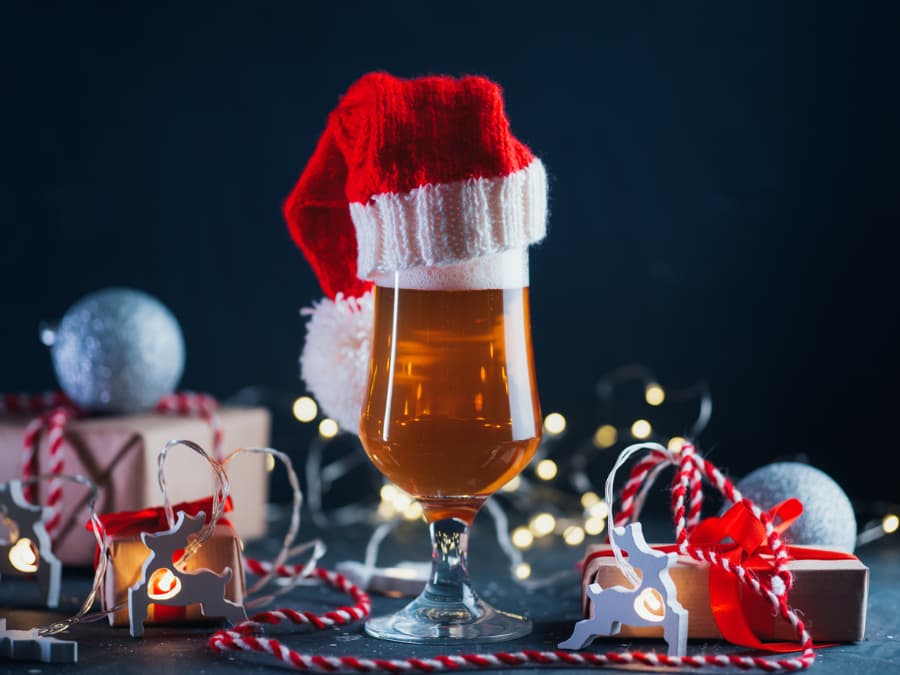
point(360, 609)
point(57, 425)
point(53, 410)
point(32, 404)
point(29, 458)
point(691, 469)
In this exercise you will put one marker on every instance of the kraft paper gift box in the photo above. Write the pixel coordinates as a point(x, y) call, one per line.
point(127, 554)
point(119, 453)
point(830, 595)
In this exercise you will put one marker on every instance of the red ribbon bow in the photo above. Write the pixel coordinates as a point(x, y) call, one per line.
point(741, 537)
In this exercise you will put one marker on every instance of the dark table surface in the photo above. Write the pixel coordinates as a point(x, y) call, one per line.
point(553, 610)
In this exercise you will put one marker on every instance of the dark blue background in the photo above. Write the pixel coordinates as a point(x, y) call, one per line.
point(723, 191)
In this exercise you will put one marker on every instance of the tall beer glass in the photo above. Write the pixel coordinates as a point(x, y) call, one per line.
point(451, 415)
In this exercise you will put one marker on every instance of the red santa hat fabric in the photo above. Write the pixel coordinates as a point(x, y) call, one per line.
point(408, 173)
point(411, 173)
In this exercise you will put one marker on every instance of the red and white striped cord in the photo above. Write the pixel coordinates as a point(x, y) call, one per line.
point(29, 458)
point(262, 568)
point(50, 410)
point(687, 485)
point(193, 404)
point(528, 658)
point(55, 436)
point(53, 411)
point(360, 609)
point(32, 404)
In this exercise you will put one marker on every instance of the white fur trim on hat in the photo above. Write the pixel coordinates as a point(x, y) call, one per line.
point(444, 223)
point(334, 363)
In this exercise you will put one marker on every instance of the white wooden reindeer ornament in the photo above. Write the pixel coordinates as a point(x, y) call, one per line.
point(162, 583)
point(30, 645)
point(28, 550)
point(652, 602)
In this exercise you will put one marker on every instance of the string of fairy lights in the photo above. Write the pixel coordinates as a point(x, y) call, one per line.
point(556, 495)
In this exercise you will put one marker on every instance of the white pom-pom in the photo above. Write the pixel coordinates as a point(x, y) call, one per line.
point(334, 363)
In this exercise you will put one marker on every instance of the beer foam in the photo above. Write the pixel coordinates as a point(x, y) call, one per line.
point(505, 270)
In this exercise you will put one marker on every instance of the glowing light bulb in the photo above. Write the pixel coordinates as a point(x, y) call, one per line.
point(166, 581)
point(401, 501)
point(388, 492)
point(163, 585)
point(523, 570)
point(594, 525)
point(386, 510)
point(641, 429)
point(522, 537)
point(270, 463)
point(599, 510)
point(890, 523)
point(605, 436)
point(546, 469)
point(554, 424)
point(542, 524)
point(675, 443)
point(23, 555)
point(413, 511)
point(305, 409)
point(573, 535)
point(588, 499)
point(328, 428)
point(513, 485)
point(654, 394)
point(649, 605)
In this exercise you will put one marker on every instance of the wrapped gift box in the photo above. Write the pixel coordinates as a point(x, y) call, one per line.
point(831, 596)
point(119, 453)
point(127, 554)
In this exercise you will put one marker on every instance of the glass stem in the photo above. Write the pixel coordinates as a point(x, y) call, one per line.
point(449, 581)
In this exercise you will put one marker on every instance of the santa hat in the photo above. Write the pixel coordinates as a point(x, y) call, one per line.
point(408, 173)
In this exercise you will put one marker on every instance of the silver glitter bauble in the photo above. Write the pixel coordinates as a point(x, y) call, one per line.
point(118, 350)
point(828, 518)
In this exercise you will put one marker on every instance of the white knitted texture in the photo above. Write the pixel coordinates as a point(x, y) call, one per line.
point(335, 358)
point(450, 222)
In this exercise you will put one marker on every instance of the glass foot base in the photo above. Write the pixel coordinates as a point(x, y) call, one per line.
point(441, 623)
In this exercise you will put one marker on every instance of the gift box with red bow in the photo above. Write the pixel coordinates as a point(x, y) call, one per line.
point(829, 587)
point(127, 554)
point(119, 454)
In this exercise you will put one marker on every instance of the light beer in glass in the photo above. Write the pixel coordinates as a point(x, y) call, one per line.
point(451, 415)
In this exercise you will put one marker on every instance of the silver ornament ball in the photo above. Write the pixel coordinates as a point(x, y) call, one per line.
point(118, 350)
point(828, 518)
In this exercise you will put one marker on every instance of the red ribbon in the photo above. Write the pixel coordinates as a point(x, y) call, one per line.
point(130, 524)
point(125, 524)
point(749, 548)
point(741, 537)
